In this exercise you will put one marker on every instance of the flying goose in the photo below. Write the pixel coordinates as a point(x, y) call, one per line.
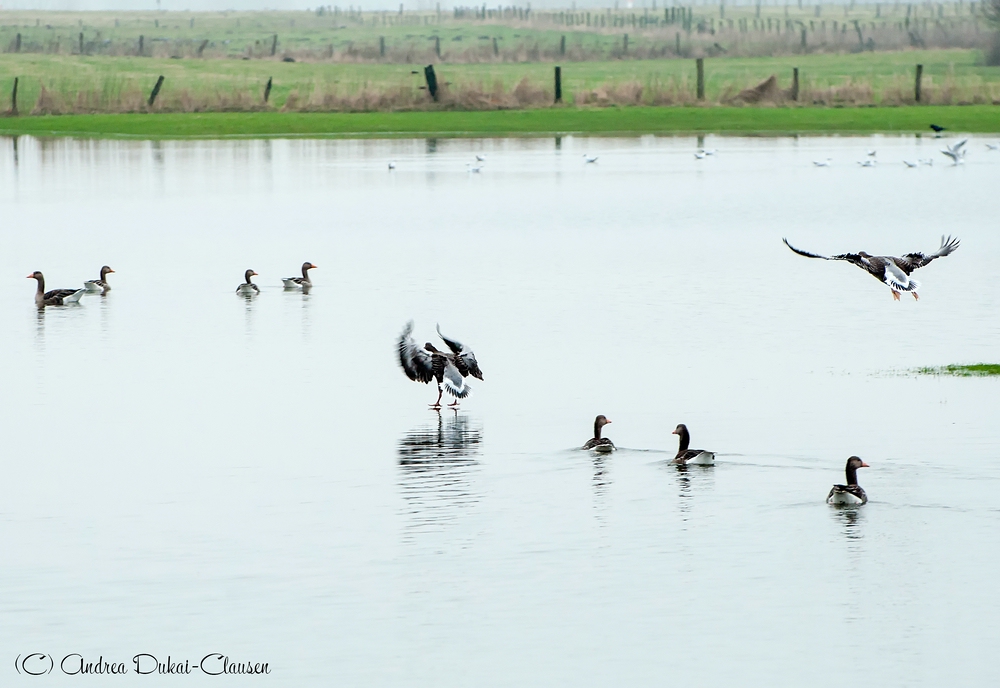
point(99, 285)
point(851, 493)
point(304, 281)
point(55, 297)
point(248, 288)
point(691, 457)
point(429, 363)
point(598, 443)
point(894, 272)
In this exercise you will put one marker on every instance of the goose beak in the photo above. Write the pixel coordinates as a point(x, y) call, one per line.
point(29, 277)
point(675, 433)
point(607, 421)
point(254, 273)
point(864, 465)
point(110, 271)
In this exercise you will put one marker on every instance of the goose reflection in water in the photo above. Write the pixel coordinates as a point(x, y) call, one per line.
point(436, 465)
point(850, 521)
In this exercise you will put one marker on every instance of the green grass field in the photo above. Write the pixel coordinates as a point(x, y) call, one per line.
point(974, 370)
point(549, 121)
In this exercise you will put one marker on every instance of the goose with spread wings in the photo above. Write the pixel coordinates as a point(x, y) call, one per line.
point(894, 272)
point(449, 369)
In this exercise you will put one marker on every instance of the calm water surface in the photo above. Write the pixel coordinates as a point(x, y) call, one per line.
point(187, 472)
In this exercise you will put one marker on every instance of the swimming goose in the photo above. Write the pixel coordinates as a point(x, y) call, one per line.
point(691, 457)
point(823, 163)
point(851, 493)
point(429, 363)
point(598, 443)
point(304, 281)
point(56, 297)
point(99, 285)
point(589, 158)
point(894, 272)
point(248, 288)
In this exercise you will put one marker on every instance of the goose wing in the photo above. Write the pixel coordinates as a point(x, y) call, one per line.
point(464, 359)
point(897, 279)
point(59, 294)
point(454, 381)
point(912, 261)
point(853, 258)
point(417, 363)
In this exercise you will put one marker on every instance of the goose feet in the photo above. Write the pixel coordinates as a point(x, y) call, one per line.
point(895, 295)
point(916, 296)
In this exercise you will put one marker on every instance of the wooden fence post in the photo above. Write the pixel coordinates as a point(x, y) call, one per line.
point(274, 45)
point(381, 46)
point(17, 44)
point(558, 84)
point(562, 45)
point(13, 98)
point(267, 89)
point(677, 51)
point(81, 42)
point(437, 46)
point(201, 48)
point(795, 83)
point(140, 45)
point(432, 83)
point(496, 47)
point(916, 86)
point(156, 91)
point(625, 44)
point(700, 67)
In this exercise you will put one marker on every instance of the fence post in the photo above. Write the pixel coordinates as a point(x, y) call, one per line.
point(562, 45)
point(795, 83)
point(496, 48)
point(274, 45)
point(17, 44)
point(81, 42)
point(437, 46)
point(381, 46)
point(625, 44)
point(432, 83)
point(558, 84)
point(267, 89)
point(201, 48)
point(700, 66)
point(677, 51)
point(916, 86)
point(13, 98)
point(156, 91)
point(140, 45)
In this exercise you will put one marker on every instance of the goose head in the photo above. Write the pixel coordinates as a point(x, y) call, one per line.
point(105, 271)
point(599, 423)
point(248, 274)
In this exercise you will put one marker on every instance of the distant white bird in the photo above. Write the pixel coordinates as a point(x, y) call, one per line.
point(708, 151)
point(589, 158)
point(392, 165)
point(956, 152)
point(481, 157)
point(909, 164)
point(927, 161)
point(699, 155)
point(476, 168)
point(823, 163)
point(993, 146)
point(866, 163)
point(871, 153)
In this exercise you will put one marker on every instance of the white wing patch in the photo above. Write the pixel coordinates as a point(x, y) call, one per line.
point(899, 280)
point(454, 383)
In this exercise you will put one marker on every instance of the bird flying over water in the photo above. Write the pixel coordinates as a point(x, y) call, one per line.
point(892, 271)
point(956, 152)
point(429, 363)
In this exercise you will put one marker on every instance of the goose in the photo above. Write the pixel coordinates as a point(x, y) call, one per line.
point(851, 493)
point(598, 443)
point(909, 164)
point(429, 363)
point(99, 285)
point(304, 281)
point(894, 272)
point(55, 297)
point(691, 457)
point(823, 163)
point(589, 158)
point(248, 288)
point(956, 152)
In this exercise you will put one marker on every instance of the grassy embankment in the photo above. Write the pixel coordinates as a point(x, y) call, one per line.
point(974, 370)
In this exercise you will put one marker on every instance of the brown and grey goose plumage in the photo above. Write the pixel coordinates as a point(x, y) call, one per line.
point(894, 272)
point(55, 297)
point(248, 288)
point(99, 285)
point(598, 443)
point(694, 457)
point(851, 493)
point(304, 281)
point(429, 363)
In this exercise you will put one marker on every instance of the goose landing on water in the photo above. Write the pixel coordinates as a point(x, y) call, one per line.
point(55, 297)
point(894, 272)
point(248, 288)
point(598, 443)
point(850, 494)
point(429, 363)
point(99, 286)
point(295, 282)
point(691, 457)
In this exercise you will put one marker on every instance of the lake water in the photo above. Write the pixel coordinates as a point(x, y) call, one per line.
point(186, 472)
